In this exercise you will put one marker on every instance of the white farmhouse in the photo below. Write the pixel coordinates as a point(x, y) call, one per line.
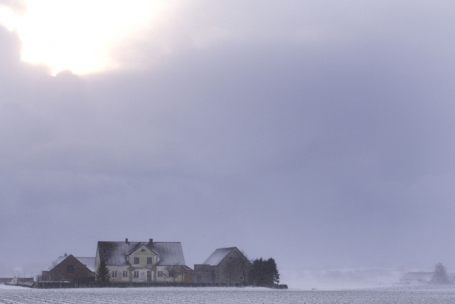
point(143, 261)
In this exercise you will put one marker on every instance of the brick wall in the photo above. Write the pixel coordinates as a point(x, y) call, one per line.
point(68, 270)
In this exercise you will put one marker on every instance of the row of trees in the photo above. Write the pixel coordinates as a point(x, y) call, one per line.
point(264, 273)
point(259, 272)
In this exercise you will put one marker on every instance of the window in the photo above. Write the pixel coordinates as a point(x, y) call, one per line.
point(136, 274)
point(136, 260)
point(149, 260)
point(125, 274)
point(143, 250)
point(160, 274)
point(171, 273)
point(114, 274)
point(70, 268)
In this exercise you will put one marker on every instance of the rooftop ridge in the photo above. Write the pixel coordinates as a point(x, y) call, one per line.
point(137, 242)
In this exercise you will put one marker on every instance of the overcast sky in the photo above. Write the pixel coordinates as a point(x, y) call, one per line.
point(319, 133)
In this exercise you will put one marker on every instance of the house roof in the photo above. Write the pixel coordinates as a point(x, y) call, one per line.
point(58, 261)
point(218, 255)
point(89, 262)
point(169, 253)
point(115, 253)
point(139, 245)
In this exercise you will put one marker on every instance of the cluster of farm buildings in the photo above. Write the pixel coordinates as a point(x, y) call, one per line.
point(154, 262)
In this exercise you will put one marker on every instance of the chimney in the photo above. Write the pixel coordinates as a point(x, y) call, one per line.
point(150, 241)
point(126, 240)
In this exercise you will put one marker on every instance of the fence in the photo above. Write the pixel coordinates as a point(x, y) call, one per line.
point(20, 280)
point(77, 284)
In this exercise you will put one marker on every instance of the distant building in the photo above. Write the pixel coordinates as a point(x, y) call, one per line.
point(68, 268)
point(223, 266)
point(187, 274)
point(421, 277)
point(18, 280)
point(416, 278)
point(143, 261)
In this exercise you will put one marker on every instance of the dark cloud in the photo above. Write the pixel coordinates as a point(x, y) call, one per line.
point(319, 134)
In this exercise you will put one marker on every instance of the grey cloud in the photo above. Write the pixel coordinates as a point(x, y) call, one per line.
point(10, 45)
point(329, 152)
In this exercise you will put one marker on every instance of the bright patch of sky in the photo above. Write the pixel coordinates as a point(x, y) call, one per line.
point(77, 35)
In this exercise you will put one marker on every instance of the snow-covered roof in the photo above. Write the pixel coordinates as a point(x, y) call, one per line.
point(139, 245)
point(89, 262)
point(218, 255)
point(169, 253)
point(58, 261)
point(115, 253)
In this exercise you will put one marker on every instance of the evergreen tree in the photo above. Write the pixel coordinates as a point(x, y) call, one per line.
point(440, 275)
point(264, 273)
point(256, 272)
point(102, 273)
point(272, 272)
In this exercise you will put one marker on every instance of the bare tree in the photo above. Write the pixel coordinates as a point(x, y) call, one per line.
point(237, 265)
point(231, 268)
point(244, 266)
point(174, 271)
point(53, 264)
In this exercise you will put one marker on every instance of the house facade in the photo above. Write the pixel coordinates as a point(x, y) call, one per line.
point(224, 266)
point(68, 268)
point(143, 261)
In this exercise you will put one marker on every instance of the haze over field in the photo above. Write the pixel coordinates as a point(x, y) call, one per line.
point(319, 133)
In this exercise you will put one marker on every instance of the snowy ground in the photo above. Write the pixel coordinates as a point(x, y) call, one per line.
point(336, 279)
point(225, 295)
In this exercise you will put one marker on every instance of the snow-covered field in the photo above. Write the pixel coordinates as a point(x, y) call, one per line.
point(225, 295)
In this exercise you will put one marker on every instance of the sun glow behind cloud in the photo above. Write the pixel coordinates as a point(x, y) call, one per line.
point(77, 35)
